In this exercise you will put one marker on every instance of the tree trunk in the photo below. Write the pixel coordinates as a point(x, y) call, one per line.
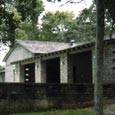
point(98, 87)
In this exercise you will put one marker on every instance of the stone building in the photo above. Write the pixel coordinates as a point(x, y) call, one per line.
point(2, 73)
point(53, 62)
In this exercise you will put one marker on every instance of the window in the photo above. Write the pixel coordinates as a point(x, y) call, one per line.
point(113, 51)
point(113, 60)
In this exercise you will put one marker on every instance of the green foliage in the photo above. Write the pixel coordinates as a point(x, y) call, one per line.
point(29, 9)
point(55, 25)
point(14, 14)
point(110, 6)
point(27, 31)
point(19, 19)
point(63, 26)
point(9, 21)
point(84, 25)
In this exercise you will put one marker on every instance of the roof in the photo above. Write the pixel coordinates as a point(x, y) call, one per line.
point(38, 47)
point(74, 47)
point(42, 47)
point(48, 48)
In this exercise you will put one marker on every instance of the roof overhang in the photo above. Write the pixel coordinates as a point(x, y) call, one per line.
point(82, 46)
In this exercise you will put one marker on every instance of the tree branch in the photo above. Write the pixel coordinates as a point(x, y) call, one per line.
point(69, 1)
point(72, 2)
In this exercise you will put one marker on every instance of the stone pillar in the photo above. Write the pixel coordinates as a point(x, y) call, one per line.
point(18, 73)
point(70, 68)
point(40, 71)
point(64, 68)
point(22, 73)
point(43, 72)
point(93, 65)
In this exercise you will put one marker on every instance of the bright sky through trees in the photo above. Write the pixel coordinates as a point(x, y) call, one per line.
point(61, 6)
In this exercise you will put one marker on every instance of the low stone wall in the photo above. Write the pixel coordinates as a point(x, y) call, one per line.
point(20, 97)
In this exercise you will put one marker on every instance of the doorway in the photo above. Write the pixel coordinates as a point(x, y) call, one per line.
point(29, 73)
point(53, 70)
point(82, 67)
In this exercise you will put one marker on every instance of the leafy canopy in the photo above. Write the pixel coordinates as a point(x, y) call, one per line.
point(14, 14)
point(55, 25)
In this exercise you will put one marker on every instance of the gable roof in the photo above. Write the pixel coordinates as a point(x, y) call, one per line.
point(38, 47)
point(74, 47)
point(42, 47)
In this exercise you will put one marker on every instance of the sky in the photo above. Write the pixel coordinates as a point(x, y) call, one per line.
point(52, 7)
point(62, 6)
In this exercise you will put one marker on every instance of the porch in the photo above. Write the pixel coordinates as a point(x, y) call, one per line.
point(72, 67)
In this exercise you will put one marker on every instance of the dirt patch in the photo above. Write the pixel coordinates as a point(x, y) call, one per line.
point(109, 109)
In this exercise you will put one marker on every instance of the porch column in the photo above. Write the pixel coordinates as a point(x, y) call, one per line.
point(64, 68)
point(37, 71)
point(40, 71)
point(93, 65)
point(18, 73)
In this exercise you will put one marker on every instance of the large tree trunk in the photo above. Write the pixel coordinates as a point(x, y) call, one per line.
point(98, 88)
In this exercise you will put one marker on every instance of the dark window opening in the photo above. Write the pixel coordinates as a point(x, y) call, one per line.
point(82, 67)
point(53, 70)
point(74, 74)
point(29, 70)
point(113, 52)
point(113, 60)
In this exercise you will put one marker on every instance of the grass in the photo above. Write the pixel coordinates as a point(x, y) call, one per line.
point(108, 106)
point(61, 112)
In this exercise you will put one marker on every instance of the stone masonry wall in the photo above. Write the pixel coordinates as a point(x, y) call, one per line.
point(109, 70)
point(24, 97)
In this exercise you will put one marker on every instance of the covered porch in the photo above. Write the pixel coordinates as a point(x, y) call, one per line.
point(70, 66)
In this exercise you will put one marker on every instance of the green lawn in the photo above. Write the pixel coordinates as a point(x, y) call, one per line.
point(62, 112)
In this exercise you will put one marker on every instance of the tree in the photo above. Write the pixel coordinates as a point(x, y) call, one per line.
point(81, 28)
point(110, 9)
point(9, 21)
point(56, 25)
point(14, 14)
point(84, 26)
point(30, 10)
point(28, 32)
point(63, 26)
point(98, 87)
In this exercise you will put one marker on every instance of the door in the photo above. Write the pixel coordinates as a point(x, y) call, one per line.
point(30, 73)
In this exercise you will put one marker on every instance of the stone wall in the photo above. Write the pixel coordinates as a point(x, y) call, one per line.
point(20, 97)
point(10, 73)
point(109, 71)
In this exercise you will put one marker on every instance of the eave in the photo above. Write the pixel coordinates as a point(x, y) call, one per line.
point(86, 45)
